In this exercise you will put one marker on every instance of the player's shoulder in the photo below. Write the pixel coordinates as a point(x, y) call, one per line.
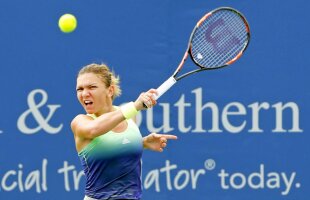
point(79, 118)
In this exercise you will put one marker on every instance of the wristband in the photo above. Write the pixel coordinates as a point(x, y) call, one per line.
point(129, 110)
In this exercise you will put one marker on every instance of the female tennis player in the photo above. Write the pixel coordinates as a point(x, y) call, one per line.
point(108, 142)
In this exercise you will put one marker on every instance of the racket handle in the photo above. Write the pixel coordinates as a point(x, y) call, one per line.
point(165, 86)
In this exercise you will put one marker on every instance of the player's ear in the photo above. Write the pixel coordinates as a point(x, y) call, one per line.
point(111, 91)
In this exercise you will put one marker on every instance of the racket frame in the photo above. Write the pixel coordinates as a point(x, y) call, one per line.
point(189, 46)
point(173, 79)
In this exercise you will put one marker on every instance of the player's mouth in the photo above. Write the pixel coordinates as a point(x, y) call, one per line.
point(88, 103)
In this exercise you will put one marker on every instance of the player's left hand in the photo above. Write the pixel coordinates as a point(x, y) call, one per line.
point(157, 142)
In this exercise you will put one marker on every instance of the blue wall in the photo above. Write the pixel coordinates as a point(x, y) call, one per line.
point(261, 152)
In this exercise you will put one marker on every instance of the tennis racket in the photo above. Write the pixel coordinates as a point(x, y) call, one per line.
point(218, 40)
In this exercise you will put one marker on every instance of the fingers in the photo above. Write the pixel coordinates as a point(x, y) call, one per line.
point(146, 100)
point(153, 91)
point(158, 142)
point(149, 98)
point(164, 139)
point(169, 137)
point(151, 95)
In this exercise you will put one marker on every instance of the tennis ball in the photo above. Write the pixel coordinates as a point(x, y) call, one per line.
point(67, 23)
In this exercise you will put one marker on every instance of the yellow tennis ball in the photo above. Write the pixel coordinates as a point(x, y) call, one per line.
point(67, 23)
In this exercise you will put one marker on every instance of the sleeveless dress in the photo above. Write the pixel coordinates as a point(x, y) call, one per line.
point(112, 164)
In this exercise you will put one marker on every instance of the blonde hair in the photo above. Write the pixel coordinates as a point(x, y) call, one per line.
point(105, 74)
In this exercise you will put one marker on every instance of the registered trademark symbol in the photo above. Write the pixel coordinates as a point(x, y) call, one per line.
point(210, 164)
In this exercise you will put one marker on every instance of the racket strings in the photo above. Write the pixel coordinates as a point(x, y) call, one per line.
point(218, 46)
point(221, 51)
point(234, 50)
point(219, 39)
point(225, 50)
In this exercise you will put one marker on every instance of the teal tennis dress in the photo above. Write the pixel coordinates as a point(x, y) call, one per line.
point(112, 164)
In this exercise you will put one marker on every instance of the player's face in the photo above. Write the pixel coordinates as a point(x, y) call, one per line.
point(93, 94)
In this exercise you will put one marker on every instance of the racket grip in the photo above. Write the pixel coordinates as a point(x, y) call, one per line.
point(165, 86)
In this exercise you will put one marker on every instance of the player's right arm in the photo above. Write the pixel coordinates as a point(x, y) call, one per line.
point(86, 127)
